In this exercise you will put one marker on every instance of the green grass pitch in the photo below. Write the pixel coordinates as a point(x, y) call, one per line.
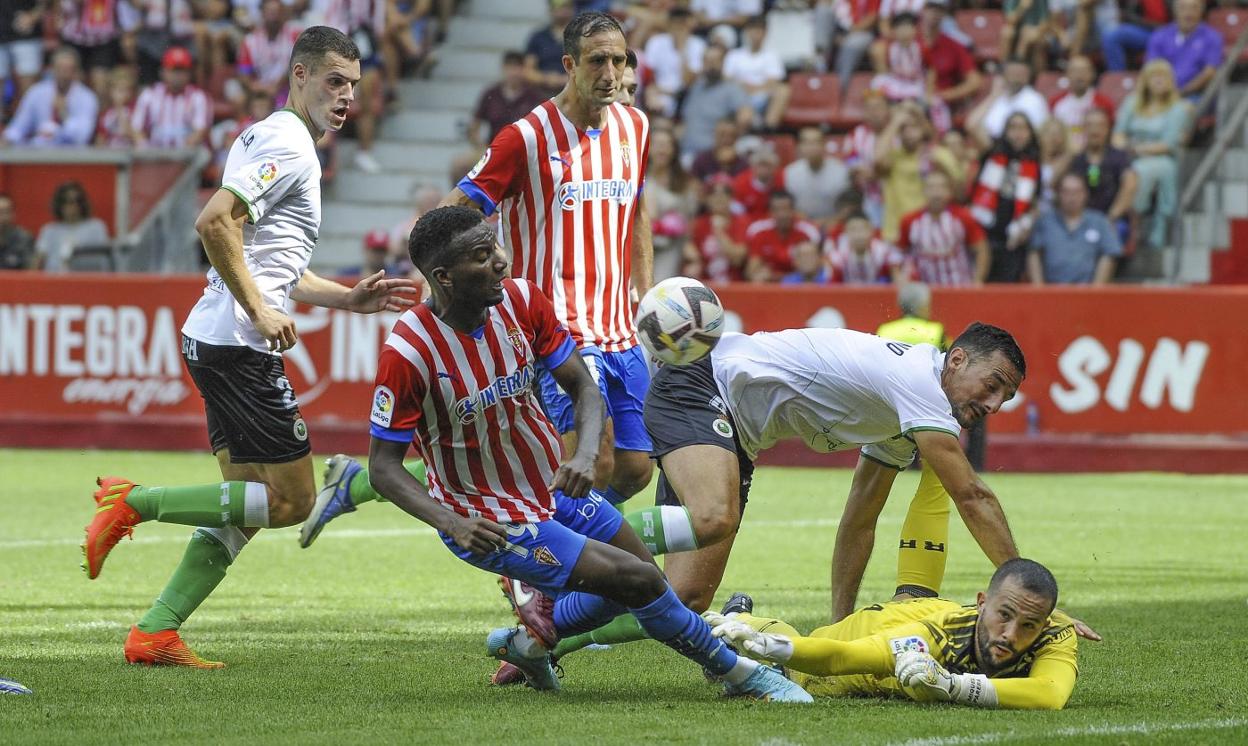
point(376, 634)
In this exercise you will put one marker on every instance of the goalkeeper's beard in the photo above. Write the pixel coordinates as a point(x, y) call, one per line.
point(983, 651)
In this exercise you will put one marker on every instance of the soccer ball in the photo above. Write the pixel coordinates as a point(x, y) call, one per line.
point(679, 321)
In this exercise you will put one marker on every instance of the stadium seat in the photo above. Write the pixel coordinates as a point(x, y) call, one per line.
point(984, 28)
point(850, 112)
point(785, 147)
point(1116, 86)
point(1231, 23)
point(814, 100)
point(1049, 84)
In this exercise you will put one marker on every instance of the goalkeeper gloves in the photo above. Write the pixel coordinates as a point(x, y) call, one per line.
point(925, 680)
point(763, 645)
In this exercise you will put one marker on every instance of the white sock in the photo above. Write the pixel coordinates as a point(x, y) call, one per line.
point(740, 672)
point(256, 506)
point(527, 646)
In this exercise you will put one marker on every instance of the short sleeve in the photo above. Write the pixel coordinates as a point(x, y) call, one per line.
point(915, 393)
point(1213, 50)
point(551, 341)
point(268, 172)
point(497, 174)
point(397, 398)
point(1110, 245)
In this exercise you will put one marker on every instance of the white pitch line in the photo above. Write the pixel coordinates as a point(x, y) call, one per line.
point(1143, 729)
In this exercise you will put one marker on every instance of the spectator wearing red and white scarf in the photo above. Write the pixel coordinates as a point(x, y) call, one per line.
point(173, 113)
point(1005, 195)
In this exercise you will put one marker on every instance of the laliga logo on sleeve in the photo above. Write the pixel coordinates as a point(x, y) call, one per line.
point(383, 406)
point(264, 175)
point(485, 158)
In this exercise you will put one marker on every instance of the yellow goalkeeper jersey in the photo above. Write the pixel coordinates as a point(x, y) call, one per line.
point(859, 651)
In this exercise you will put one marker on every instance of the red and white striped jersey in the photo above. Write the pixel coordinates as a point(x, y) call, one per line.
point(267, 59)
point(89, 23)
point(469, 403)
point(567, 199)
point(349, 15)
point(859, 146)
point(938, 244)
point(850, 12)
point(165, 118)
point(875, 265)
point(890, 8)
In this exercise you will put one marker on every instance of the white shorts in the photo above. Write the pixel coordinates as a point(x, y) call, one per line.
point(24, 58)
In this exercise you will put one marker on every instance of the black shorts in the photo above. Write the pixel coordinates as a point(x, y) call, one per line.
point(106, 55)
point(684, 408)
point(250, 405)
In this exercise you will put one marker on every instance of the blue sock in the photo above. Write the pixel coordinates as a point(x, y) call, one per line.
point(578, 612)
point(672, 623)
point(614, 496)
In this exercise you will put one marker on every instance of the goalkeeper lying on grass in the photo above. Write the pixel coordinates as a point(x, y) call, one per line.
point(1011, 650)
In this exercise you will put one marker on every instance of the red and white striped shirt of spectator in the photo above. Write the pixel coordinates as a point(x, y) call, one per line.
point(351, 15)
point(890, 8)
point(850, 12)
point(939, 244)
point(165, 119)
point(567, 199)
point(767, 243)
point(859, 147)
point(267, 60)
point(90, 23)
point(154, 14)
point(873, 266)
point(1070, 110)
point(111, 133)
point(467, 402)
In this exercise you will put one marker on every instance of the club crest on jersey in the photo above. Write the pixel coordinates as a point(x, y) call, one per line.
point(624, 156)
point(383, 406)
point(572, 194)
point(469, 408)
point(485, 158)
point(516, 338)
point(544, 556)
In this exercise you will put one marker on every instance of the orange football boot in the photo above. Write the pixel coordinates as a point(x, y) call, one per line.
point(164, 648)
point(113, 520)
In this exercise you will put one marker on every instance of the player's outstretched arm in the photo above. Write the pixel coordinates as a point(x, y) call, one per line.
point(1047, 687)
point(976, 502)
point(370, 295)
point(576, 475)
point(387, 475)
point(220, 227)
point(855, 538)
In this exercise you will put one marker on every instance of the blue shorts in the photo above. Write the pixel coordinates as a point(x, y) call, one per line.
point(622, 378)
point(543, 554)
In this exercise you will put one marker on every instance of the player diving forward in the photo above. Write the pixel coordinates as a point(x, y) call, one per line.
point(567, 180)
point(834, 389)
point(1012, 649)
point(259, 231)
point(455, 377)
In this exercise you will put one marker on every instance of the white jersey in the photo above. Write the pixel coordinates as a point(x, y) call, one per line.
point(835, 389)
point(272, 167)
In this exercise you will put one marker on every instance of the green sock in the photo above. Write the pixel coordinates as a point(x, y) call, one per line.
point(216, 505)
point(624, 628)
point(664, 529)
point(202, 568)
point(363, 492)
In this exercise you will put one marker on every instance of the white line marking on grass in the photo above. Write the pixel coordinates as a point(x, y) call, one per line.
point(1143, 729)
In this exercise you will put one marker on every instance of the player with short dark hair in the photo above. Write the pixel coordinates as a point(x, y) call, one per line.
point(1012, 649)
point(629, 81)
point(455, 379)
point(259, 231)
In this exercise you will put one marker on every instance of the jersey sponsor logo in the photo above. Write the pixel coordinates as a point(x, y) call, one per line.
point(383, 406)
point(901, 645)
point(469, 408)
point(572, 194)
point(476, 170)
point(544, 556)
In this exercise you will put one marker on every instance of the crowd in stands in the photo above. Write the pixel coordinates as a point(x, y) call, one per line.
point(177, 74)
point(890, 139)
point(956, 143)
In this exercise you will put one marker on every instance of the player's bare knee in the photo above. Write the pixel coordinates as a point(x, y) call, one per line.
point(696, 594)
point(713, 525)
point(632, 476)
point(288, 508)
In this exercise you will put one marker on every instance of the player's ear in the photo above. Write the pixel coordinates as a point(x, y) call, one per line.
point(981, 598)
point(568, 64)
